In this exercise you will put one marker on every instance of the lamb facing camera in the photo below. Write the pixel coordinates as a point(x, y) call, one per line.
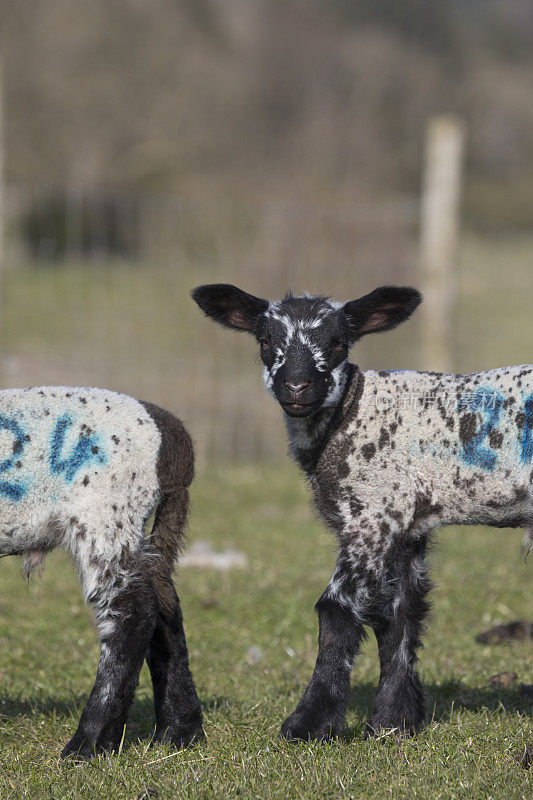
point(389, 456)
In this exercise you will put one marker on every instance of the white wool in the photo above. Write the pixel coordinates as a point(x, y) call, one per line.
point(406, 438)
point(77, 470)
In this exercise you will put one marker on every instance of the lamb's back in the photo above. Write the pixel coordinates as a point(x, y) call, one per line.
point(458, 445)
point(63, 449)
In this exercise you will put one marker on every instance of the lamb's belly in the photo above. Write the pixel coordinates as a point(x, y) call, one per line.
point(37, 521)
point(481, 485)
point(500, 498)
point(18, 536)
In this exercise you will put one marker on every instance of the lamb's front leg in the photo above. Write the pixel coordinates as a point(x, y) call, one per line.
point(321, 712)
point(399, 701)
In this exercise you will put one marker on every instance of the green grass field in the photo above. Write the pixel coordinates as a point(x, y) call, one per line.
point(48, 657)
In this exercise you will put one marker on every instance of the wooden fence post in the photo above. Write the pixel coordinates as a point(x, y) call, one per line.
point(441, 193)
point(2, 214)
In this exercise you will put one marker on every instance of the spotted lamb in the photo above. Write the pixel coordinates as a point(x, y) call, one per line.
point(84, 469)
point(389, 457)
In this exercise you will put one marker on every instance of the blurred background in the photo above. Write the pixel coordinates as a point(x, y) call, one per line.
point(319, 145)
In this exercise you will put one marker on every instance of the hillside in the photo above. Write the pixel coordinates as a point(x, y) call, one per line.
point(325, 98)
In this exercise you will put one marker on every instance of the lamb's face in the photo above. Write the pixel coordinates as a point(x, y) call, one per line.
point(304, 340)
point(304, 345)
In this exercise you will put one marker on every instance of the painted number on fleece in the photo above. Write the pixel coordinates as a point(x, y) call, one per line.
point(86, 450)
point(489, 403)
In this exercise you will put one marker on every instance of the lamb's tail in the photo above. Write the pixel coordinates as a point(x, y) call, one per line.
point(175, 470)
point(33, 563)
point(166, 540)
point(527, 542)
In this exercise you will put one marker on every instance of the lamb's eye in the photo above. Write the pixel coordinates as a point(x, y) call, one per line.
point(264, 342)
point(338, 345)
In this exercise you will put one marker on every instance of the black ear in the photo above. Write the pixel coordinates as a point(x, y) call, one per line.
point(381, 310)
point(230, 306)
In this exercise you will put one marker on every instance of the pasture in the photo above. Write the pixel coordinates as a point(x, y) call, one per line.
point(252, 633)
point(252, 639)
point(324, 147)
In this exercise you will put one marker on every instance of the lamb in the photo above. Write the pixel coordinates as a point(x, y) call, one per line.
point(389, 456)
point(84, 469)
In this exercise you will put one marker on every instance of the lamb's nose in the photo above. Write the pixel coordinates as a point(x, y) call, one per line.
point(296, 388)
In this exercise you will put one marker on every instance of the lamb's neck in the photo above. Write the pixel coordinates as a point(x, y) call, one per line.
point(306, 436)
point(309, 435)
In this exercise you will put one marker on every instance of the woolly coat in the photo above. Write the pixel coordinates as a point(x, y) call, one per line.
point(405, 452)
point(84, 469)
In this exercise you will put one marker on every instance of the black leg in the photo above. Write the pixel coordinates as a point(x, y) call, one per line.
point(399, 701)
point(177, 708)
point(322, 710)
point(127, 626)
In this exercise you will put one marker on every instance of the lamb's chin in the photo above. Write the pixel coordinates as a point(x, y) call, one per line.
point(299, 410)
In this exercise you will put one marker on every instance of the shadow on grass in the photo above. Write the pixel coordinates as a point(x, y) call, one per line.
point(141, 718)
point(12, 707)
point(442, 698)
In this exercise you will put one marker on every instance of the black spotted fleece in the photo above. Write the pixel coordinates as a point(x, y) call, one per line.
point(406, 452)
point(389, 457)
point(403, 453)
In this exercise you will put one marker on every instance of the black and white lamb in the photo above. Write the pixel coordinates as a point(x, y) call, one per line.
point(389, 456)
point(84, 469)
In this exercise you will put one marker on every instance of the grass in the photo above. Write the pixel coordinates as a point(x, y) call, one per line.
point(494, 323)
point(49, 654)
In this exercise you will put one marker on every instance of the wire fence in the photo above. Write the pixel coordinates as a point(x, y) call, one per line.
point(96, 292)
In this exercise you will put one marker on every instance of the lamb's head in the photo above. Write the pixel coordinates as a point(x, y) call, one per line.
point(304, 340)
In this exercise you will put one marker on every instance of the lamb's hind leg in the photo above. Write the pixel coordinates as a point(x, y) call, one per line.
point(177, 708)
point(399, 701)
point(126, 612)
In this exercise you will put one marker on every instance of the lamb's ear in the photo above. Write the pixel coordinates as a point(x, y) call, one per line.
point(381, 310)
point(230, 306)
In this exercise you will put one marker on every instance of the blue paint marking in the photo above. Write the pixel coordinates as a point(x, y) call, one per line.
point(86, 450)
point(527, 436)
point(11, 489)
point(489, 404)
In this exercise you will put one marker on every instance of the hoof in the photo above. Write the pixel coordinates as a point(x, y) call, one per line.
point(180, 730)
point(82, 748)
point(300, 727)
point(180, 737)
point(397, 728)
